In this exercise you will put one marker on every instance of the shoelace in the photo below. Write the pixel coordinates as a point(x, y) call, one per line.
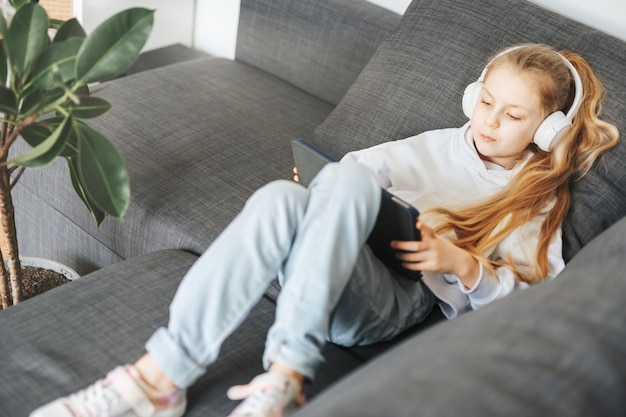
point(94, 400)
point(264, 402)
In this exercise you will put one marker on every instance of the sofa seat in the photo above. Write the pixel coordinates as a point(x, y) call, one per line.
point(199, 137)
point(174, 126)
point(103, 320)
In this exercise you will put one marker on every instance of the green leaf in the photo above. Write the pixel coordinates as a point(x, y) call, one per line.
point(37, 133)
point(47, 150)
point(114, 45)
point(26, 37)
point(56, 64)
point(83, 91)
point(32, 102)
point(70, 29)
point(102, 171)
point(89, 108)
point(36, 100)
point(18, 3)
point(8, 101)
point(97, 214)
point(55, 23)
point(3, 65)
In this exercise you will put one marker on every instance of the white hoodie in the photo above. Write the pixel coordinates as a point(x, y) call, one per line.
point(442, 168)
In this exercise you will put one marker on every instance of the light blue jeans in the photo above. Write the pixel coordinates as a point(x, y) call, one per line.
point(333, 287)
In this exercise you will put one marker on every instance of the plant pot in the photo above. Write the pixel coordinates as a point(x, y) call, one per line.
point(43, 275)
point(35, 262)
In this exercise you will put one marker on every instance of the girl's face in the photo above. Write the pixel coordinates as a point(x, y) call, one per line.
point(506, 116)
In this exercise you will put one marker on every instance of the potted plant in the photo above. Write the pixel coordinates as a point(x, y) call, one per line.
point(46, 68)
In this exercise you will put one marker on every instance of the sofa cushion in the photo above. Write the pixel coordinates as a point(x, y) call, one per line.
point(197, 138)
point(556, 349)
point(417, 76)
point(320, 46)
point(67, 338)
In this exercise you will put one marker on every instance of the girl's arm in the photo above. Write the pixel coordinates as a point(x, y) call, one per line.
point(519, 247)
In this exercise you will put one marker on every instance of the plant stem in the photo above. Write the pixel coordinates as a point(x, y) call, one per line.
point(4, 284)
point(4, 278)
point(11, 254)
point(14, 133)
point(5, 129)
point(17, 177)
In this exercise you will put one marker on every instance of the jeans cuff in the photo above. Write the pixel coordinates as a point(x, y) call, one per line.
point(173, 360)
point(305, 364)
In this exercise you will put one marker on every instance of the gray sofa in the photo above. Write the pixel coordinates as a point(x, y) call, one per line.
point(199, 137)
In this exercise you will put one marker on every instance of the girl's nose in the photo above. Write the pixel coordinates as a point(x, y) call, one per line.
point(492, 119)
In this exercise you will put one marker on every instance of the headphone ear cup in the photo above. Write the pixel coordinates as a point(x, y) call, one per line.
point(470, 97)
point(551, 130)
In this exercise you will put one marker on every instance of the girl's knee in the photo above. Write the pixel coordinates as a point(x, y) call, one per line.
point(352, 179)
point(278, 192)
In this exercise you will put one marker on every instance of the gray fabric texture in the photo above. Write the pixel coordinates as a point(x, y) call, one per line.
point(320, 46)
point(74, 334)
point(417, 76)
point(66, 339)
point(556, 349)
point(48, 233)
point(197, 139)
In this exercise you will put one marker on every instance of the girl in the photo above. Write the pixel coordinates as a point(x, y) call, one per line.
point(493, 194)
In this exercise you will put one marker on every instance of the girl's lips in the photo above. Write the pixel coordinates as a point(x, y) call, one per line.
point(487, 138)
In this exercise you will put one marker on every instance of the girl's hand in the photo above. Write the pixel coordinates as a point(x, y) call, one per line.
point(436, 254)
point(295, 174)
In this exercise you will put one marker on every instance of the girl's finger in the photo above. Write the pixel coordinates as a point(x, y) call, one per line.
point(413, 266)
point(426, 231)
point(406, 245)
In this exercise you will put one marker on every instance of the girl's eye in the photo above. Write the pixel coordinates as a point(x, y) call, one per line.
point(513, 117)
point(485, 102)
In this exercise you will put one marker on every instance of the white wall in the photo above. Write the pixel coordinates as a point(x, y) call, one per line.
point(214, 28)
point(217, 34)
point(606, 15)
point(173, 21)
point(398, 6)
point(218, 30)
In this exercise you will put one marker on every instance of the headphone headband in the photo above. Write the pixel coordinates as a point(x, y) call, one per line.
point(578, 88)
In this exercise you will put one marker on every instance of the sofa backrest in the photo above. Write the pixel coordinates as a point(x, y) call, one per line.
point(320, 46)
point(417, 76)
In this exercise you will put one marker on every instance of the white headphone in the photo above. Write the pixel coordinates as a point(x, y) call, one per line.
point(552, 129)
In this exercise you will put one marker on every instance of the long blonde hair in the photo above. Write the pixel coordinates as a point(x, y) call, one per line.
point(543, 180)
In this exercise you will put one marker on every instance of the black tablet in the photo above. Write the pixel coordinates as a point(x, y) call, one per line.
point(396, 218)
point(396, 221)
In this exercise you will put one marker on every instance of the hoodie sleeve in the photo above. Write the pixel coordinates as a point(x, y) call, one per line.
point(520, 247)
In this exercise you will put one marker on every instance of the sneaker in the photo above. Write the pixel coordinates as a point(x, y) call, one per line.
point(120, 394)
point(268, 395)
